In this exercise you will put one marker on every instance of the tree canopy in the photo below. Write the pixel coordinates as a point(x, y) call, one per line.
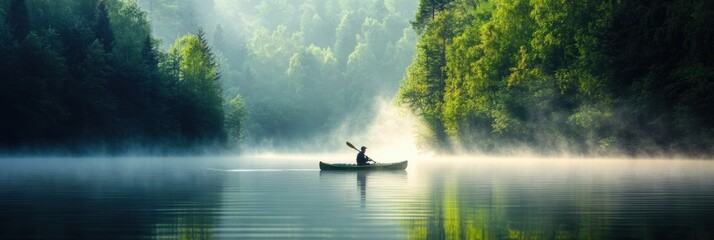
point(495, 76)
point(589, 77)
point(302, 68)
point(87, 75)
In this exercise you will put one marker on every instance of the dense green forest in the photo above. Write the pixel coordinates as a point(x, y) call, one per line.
point(172, 74)
point(495, 76)
point(88, 76)
point(586, 77)
point(304, 68)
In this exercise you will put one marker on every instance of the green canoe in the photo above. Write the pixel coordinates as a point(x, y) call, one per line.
point(371, 167)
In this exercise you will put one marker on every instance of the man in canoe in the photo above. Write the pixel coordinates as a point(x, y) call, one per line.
point(363, 159)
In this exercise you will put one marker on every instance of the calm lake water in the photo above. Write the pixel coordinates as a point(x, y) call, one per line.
point(283, 197)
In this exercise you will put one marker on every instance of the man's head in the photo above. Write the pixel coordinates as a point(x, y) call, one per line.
point(364, 149)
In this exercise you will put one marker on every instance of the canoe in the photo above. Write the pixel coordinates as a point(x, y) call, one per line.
point(371, 167)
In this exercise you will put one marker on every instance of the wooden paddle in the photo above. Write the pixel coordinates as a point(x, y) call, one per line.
point(353, 147)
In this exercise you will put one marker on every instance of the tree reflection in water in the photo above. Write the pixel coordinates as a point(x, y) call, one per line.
point(494, 203)
point(93, 199)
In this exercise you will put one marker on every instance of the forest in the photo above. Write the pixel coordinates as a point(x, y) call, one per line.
point(304, 69)
point(585, 77)
point(82, 75)
point(591, 77)
point(167, 75)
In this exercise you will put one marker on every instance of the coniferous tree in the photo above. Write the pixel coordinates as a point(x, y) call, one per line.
point(88, 99)
point(66, 85)
point(208, 56)
point(148, 54)
point(103, 28)
point(199, 95)
point(427, 11)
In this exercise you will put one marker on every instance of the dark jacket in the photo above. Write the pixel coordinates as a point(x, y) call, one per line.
point(362, 159)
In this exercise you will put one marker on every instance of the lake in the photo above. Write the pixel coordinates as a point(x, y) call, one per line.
point(278, 197)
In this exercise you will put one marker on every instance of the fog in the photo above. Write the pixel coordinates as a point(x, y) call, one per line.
point(312, 74)
point(305, 76)
point(206, 119)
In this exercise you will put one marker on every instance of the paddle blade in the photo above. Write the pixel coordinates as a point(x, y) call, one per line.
point(352, 146)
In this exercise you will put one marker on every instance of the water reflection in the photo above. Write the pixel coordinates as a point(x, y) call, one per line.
point(475, 199)
point(96, 199)
point(384, 182)
point(362, 183)
point(310, 205)
point(655, 200)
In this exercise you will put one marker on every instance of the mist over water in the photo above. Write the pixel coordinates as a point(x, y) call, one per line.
point(393, 133)
point(286, 196)
point(390, 137)
point(313, 75)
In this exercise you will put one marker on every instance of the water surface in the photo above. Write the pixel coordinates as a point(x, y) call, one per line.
point(284, 197)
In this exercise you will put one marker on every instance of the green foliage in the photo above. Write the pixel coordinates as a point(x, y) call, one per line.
point(103, 28)
point(170, 19)
point(662, 61)
point(31, 91)
point(88, 74)
point(578, 76)
point(235, 120)
point(305, 67)
point(201, 102)
point(90, 91)
point(427, 11)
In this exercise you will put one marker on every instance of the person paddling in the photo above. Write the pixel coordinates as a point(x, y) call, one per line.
point(363, 159)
